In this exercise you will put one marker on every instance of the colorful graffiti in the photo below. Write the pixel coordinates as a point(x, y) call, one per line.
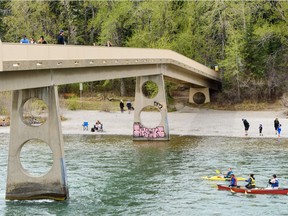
point(158, 105)
point(141, 131)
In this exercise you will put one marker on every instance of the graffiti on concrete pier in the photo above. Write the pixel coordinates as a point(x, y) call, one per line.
point(141, 131)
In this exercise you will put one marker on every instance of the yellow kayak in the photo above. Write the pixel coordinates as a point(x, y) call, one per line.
point(221, 178)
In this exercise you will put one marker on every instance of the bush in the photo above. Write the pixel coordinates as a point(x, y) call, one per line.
point(72, 104)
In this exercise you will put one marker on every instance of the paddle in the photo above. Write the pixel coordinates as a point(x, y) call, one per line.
point(219, 173)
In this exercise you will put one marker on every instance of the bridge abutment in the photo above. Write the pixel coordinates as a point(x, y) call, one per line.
point(22, 185)
point(199, 95)
point(156, 100)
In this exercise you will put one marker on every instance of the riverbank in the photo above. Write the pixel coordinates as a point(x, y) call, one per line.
point(191, 121)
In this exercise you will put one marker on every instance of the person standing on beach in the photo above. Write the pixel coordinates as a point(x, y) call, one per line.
point(279, 130)
point(260, 130)
point(276, 125)
point(246, 126)
point(121, 106)
point(129, 106)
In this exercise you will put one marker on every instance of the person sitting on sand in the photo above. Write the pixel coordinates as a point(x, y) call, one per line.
point(98, 125)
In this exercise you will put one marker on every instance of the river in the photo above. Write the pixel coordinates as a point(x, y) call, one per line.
point(112, 175)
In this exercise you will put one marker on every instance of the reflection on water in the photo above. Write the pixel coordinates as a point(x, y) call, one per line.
point(112, 175)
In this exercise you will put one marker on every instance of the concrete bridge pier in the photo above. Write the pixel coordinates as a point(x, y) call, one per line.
point(21, 184)
point(143, 100)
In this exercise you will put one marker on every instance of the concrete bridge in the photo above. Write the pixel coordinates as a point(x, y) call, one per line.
point(35, 71)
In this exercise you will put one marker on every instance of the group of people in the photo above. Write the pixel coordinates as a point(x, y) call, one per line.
point(277, 127)
point(251, 182)
point(60, 39)
point(24, 40)
point(128, 104)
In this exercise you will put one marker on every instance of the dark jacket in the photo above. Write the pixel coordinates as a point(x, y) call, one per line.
point(60, 39)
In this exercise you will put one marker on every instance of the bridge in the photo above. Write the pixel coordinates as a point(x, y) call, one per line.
point(35, 71)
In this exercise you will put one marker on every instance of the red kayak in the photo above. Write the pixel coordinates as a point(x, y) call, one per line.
point(241, 189)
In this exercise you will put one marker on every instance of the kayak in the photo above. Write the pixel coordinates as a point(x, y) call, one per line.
point(221, 178)
point(259, 190)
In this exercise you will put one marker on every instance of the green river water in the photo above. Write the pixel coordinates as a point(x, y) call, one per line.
point(112, 175)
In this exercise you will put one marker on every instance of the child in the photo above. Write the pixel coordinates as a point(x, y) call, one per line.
point(279, 130)
point(260, 130)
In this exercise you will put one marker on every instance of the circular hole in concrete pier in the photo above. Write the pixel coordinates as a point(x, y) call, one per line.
point(150, 89)
point(199, 98)
point(34, 112)
point(150, 117)
point(36, 157)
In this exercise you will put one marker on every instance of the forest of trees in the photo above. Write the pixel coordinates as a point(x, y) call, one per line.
point(246, 39)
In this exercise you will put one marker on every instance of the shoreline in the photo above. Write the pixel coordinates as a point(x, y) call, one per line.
point(191, 122)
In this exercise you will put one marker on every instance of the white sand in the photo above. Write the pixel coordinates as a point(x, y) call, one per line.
point(194, 122)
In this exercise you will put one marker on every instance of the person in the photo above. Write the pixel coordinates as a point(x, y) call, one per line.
point(121, 106)
point(276, 125)
point(279, 130)
point(246, 126)
point(42, 40)
point(129, 106)
point(251, 182)
point(229, 173)
point(274, 182)
point(60, 37)
point(24, 40)
point(32, 41)
point(260, 130)
point(98, 126)
point(108, 44)
point(233, 181)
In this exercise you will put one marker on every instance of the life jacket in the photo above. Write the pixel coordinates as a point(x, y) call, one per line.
point(276, 184)
point(252, 183)
point(228, 175)
point(235, 181)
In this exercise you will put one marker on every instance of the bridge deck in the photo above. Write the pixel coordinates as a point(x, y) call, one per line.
point(29, 66)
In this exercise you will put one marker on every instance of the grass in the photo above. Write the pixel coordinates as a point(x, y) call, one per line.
point(90, 103)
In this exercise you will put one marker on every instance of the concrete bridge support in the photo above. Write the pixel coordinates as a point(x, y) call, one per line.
point(22, 185)
point(160, 131)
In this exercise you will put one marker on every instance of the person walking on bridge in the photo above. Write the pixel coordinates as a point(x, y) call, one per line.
point(42, 40)
point(60, 37)
point(24, 40)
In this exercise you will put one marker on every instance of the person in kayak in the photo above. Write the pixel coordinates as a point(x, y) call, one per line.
point(229, 173)
point(233, 181)
point(251, 182)
point(274, 182)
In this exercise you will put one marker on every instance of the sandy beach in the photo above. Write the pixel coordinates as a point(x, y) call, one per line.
point(189, 121)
